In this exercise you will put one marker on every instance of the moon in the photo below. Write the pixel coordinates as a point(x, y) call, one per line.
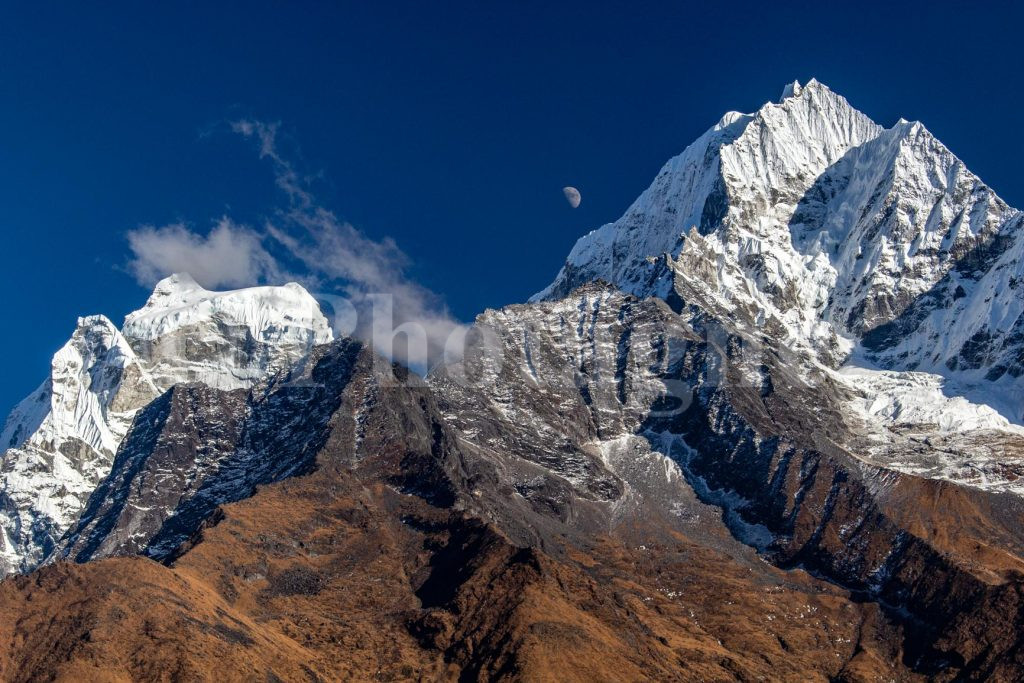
point(572, 195)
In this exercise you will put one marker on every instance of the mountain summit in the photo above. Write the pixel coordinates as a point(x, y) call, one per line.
point(830, 223)
point(859, 242)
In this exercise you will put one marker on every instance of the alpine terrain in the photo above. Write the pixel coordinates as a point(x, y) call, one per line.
point(765, 426)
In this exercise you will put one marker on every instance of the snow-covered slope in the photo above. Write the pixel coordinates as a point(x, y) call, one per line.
point(737, 187)
point(60, 441)
point(226, 340)
point(892, 218)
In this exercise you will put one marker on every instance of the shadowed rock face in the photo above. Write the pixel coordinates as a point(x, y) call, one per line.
point(196, 448)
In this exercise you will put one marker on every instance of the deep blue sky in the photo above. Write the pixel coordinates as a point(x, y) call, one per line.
point(450, 128)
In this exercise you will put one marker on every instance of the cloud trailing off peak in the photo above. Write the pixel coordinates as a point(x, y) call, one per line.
point(333, 258)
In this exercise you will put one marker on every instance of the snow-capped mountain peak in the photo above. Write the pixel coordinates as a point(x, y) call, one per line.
point(89, 377)
point(831, 225)
point(283, 314)
point(60, 441)
point(228, 339)
point(748, 171)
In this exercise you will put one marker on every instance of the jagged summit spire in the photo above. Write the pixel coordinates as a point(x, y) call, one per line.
point(794, 89)
point(791, 90)
point(746, 168)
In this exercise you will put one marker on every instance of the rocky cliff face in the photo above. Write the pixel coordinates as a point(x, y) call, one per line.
point(652, 415)
point(197, 447)
point(763, 426)
point(389, 560)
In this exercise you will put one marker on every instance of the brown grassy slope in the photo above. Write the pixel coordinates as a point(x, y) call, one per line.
point(327, 577)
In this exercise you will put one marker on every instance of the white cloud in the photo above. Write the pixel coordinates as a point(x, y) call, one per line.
point(374, 281)
point(284, 172)
point(372, 272)
point(229, 256)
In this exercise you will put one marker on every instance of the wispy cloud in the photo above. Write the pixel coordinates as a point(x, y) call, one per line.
point(265, 134)
point(336, 258)
point(229, 256)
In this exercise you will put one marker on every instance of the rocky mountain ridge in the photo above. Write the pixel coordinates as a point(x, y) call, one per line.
point(763, 426)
